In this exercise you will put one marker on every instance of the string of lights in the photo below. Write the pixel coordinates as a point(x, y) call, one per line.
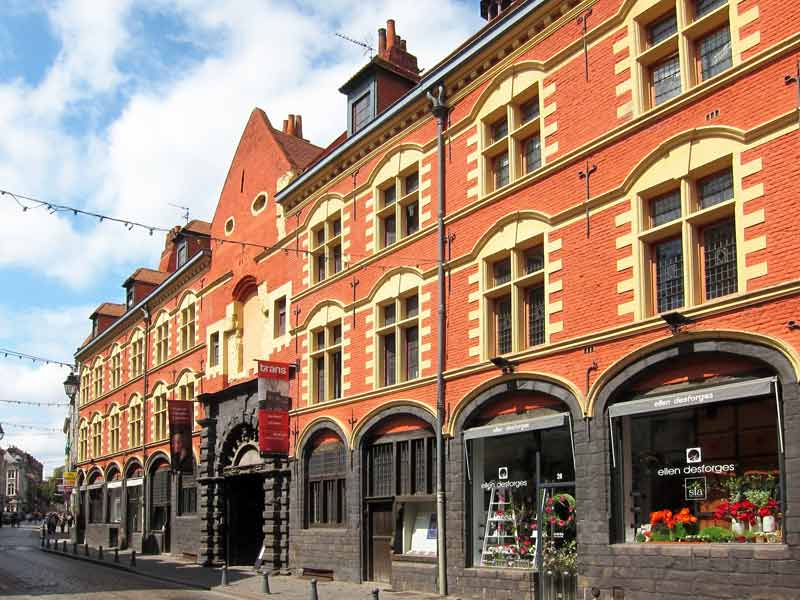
point(31, 427)
point(28, 403)
point(35, 359)
point(130, 225)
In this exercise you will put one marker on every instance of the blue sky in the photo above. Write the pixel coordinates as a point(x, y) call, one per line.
point(124, 107)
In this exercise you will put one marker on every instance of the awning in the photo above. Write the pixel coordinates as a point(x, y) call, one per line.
point(696, 397)
point(133, 482)
point(113, 484)
point(520, 426)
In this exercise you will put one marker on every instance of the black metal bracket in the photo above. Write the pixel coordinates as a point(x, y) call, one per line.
point(353, 285)
point(582, 21)
point(586, 174)
point(296, 310)
point(795, 79)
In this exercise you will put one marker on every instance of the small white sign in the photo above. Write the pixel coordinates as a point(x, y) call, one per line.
point(502, 473)
point(694, 455)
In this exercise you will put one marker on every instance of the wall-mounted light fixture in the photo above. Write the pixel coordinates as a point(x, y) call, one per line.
point(675, 321)
point(503, 364)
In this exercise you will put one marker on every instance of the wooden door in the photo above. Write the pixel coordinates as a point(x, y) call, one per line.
point(380, 546)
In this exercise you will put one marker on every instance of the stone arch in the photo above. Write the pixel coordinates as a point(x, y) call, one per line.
point(507, 85)
point(395, 161)
point(322, 314)
point(80, 478)
point(760, 348)
point(94, 473)
point(244, 288)
point(510, 231)
point(154, 459)
point(520, 382)
point(235, 438)
point(111, 469)
point(394, 283)
point(400, 407)
point(317, 425)
point(130, 464)
point(188, 296)
point(322, 209)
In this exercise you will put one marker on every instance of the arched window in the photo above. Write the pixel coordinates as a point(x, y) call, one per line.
point(97, 436)
point(97, 377)
point(325, 240)
point(113, 429)
point(137, 354)
point(116, 367)
point(161, 339)
point(326, 473)
point(135, 422)
point(86, 385)
point(160, 431)
point(83, 441)
point(325, 354)
point(187, 322)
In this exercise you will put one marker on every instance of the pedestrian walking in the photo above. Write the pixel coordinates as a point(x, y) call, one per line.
point(62, 521)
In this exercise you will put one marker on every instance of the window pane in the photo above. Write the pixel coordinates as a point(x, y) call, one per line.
point(412, 218)
point(500, 129)
point(501, 271)
point(529, 110)
point(502, 310)
point(419, 448)
point(404, 467)
point(336, 363)
point(533, 153)
point(534, 259)
point(703, 7)
point(719, 258)
point(412, 306)
point(715, 52)
point(319, 339)
point(666, 78)
point(669, 275)
point(281, 311)
point(319, 366)
point(389, 195)
point(716, 188)
point(337, 259)
point(336, 227)
point(320, 236)
point(381, 481)
point(412, 182)
point(536, 320)
point(500, 169)
point(666, 208)
point(336, 334)
point(662, 29)
point(412, 352)
point(320, 266)
point(389, 359)
point(389, 314)
point(389, 230)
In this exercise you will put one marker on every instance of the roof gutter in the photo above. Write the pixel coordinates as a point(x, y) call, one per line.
point(142, 304)
point(437, 75)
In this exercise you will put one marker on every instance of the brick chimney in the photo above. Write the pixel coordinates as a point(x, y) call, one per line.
point(491, 9)
point(392, 48)
point(293, 126)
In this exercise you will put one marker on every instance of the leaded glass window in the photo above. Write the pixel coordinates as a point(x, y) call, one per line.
point(533, 153)
point(666, 208)
point(715, 52)
point(669, 275)
point(719, 259)
point(715, 188)
point(666, 78)
point(502, 307)
point(536, 315)
point(662, 29)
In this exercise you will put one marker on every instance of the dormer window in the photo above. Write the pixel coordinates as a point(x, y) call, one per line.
point(362, 112)
point(129, 297)
point(183, 253)
point(95, 327)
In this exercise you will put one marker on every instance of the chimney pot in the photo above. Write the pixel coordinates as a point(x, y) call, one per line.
point(382, 41)
point(285, 125)
point(298, 126)
point(391, 36)
point(402, 44)
point(290, 130)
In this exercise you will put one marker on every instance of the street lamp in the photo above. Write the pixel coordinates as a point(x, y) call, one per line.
point(71, 386)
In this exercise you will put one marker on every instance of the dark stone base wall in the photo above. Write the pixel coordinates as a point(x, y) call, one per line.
point(97, 534)
point(408, 575)
point(185, 535)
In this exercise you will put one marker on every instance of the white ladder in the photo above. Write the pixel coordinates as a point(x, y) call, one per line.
point(494, 537)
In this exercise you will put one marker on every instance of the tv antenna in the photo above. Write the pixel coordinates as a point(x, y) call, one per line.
point(184, 209)
point(365, 45)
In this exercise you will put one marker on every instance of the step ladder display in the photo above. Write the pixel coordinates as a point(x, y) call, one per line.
point(503, 544)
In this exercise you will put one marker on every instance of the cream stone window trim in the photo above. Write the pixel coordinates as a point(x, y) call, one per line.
point(325, 242)
point(97, 378)
point(682, 47)
point(403, 329)
point(86, 386)
point(690, 228)
point(114, 430)
point(259, 203)
point(505, 133)
point(514, 295)
point(326, 362)
point(397, 207)
point(161, 339)
point(186, 386)
point(83, 440)
point(135, 421)
point(188, 325)
point(97, 436)
point(136, 354)
point(116, 368)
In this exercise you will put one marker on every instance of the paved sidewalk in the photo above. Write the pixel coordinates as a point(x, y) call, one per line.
point(243, 582)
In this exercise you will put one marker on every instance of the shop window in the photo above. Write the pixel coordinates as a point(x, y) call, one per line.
point(694, 33)
point(689, 242)
point(134, 506)
point(515, 300)
point(516, 481)
point(512, 141)
point(326, 254)
point(326, 362)
point(397, 339)
point(706, 473)
point(187, 332)
point(187, 494)
point(326, 476)
point(114, 502)
point(96, 505)
point(398, 207)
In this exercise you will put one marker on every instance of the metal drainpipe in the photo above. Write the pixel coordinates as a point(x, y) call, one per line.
point(440, 110)
point(145, 479)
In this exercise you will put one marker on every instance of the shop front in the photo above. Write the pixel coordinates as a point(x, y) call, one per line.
point(134, 504)
point(698, 439)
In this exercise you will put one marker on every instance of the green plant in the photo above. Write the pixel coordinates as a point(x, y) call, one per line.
point(641, 538)
point(760, 481)
point(659, 535)
point(758, 496)
point(715, 534)
point(734, 487)
point(560, 558)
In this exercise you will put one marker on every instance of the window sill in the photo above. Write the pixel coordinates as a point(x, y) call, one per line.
point(727, 550)
point(414, 558)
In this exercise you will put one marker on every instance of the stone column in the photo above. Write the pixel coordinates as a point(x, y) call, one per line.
point(210, 509)
point(276, 514)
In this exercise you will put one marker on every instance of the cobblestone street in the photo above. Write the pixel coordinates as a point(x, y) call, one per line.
point(26, 571)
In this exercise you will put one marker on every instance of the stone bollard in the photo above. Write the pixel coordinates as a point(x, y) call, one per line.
point(74, 547)
point(100, 553)
point(313, 591)
point(265, 583)
point(116, 555)
point(64, 546)
point(376, 594)
point(224, 580)
point(86, 549)
point(133, 558)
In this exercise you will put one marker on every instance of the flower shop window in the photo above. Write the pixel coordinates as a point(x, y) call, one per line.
point(520, 474)
point(114, 489)
point(699, 465)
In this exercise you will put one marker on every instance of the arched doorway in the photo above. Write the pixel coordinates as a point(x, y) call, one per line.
point(696, 428)
point(244, 472)
point(397, 454)
point(160, 503)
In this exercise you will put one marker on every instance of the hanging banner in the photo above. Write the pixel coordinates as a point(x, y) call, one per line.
point(181, 418)
point(273, 407)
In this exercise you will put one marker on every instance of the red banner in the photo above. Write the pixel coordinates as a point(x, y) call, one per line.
point(181, 418)
point(273, 407)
